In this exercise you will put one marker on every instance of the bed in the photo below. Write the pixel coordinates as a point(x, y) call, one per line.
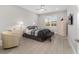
point(34, 33)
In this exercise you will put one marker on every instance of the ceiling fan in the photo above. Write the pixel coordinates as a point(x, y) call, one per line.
point(42, 8)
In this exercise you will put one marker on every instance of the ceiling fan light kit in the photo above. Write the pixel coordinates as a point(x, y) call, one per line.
point(42, 8)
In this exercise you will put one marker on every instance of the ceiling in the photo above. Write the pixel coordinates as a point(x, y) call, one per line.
point(48, 8)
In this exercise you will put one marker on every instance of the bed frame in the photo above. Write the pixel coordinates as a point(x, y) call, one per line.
point(41, 39)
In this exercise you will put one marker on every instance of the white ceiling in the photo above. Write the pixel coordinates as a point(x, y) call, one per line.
point(49, 8)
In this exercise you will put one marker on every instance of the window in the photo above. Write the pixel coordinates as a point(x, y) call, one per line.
point(51, 21)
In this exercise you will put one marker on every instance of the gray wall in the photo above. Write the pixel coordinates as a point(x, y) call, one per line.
point(78, 22)
point(72, 29)
point(10, 15)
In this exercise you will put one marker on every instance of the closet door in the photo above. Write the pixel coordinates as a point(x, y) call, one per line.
point(61, 26)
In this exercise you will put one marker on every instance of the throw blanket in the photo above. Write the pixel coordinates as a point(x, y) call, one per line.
point(35, 32)
point(38, 32)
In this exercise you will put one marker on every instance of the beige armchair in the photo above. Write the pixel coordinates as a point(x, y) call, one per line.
point(11, 38)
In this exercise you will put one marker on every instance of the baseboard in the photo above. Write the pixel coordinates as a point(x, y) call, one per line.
point(70, 43)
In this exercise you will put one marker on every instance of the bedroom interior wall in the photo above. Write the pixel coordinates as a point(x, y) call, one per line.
point(78, 22)
point(72, 29)
point(78, 28)
point(59, 15)
point(10, 15)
